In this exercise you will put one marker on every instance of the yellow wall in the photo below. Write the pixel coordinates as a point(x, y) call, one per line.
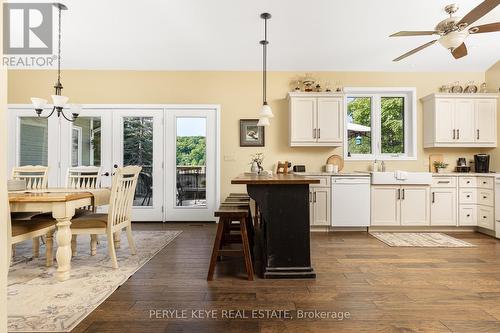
point(493, 83)
point(239, 94)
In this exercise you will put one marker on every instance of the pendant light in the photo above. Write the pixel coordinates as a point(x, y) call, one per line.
point(265, 112)
point(59, 101)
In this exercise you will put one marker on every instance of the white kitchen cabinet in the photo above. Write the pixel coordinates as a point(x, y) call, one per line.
point(467, 215)
point(460, 120)
point(485, 217)
point(443, 206)
point(316, 119)
point(319, 206)
point(476, 201)
point(415, 205)
point(385, 205)
point(486, 120)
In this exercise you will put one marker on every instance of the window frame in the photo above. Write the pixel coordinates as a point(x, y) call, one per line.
point(79, 131)
point(409, 121)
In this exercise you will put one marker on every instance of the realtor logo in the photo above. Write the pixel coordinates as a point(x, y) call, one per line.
point(27, 28)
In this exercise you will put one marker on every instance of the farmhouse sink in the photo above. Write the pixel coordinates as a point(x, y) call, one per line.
point(413, 178)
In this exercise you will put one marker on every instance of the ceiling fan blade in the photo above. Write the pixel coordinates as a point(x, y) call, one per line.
point(460, 51)
point(482, 9)
point(409, 53)
point(490, 27)
point(413, 33)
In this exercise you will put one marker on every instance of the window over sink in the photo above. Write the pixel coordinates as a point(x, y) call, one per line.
point(380, 124)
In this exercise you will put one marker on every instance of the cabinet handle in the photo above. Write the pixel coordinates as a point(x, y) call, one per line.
point(484, 197)
point(314, 133)
point(310, 197)
point(443, 182)
point(433, 197)
point(458, 134)
point(319, 133)
point(468, 195)
point(468, 215)
point(399, 194)
point(484, 217)
point(403, 197)
point(484, 183)
point(468, 182)
point(314, 196)
point(477, 134)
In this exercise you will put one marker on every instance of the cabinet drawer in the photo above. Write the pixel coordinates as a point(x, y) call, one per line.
point(467, 215)
point(485, 182)
point(467, 181)
point(467, 196)
point(444, 181)
point(485, 217)
point(485, 197)
point(324, 181)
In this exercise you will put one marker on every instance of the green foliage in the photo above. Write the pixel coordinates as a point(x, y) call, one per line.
point(191, 150)
point(138, 141)
point(360, 111)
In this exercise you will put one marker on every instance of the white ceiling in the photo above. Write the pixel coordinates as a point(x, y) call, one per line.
point(323, 35)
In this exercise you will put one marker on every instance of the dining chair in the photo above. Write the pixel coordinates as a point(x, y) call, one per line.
point(82, 177)
point(22, 230)
point(119, 213)
point(36, 178)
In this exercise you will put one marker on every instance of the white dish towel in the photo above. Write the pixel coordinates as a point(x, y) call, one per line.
point(400, 175)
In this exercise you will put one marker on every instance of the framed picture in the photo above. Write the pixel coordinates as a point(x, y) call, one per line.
point(251, 135)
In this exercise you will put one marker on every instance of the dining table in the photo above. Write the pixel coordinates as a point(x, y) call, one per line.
point(62, 202)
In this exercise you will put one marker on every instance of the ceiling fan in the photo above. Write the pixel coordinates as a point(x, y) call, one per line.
point(454, 30)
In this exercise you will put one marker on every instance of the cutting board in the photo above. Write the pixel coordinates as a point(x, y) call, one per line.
point(434, 158)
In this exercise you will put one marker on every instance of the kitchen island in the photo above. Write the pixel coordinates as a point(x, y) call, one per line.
point(283, 237)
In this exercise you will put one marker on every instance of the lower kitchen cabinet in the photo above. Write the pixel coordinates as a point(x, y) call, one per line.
point(486, 217)
point(444, 206)
point(400, 205)
point(319, 205)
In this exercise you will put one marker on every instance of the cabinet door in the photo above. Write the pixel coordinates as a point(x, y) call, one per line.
point(485, 217)
point(385, 205)
point(467, 215)
point(303, 120)
point(443, 206)
point(330, 120)
point(415, 205)
point(464, 120)
point(444, 121)
point(321, 204)
point(486, 120)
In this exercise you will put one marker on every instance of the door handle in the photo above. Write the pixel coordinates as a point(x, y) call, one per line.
point(433, 197)
point(454, 134)
point(403, 196)
point(477, 134)
point(115, 166)
point(106, 174)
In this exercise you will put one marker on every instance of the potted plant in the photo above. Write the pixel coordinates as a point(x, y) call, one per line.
point(440, 166)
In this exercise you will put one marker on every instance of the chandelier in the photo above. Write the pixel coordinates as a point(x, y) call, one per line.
point(59, 101)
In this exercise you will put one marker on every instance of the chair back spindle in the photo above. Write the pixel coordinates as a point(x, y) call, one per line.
point(122, 195)
point(36, 177)
point(83, 177)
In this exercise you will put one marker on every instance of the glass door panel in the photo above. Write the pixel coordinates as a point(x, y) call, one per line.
point(137, 140)
point(191, 152)
point(86, 142)
point(33, 141)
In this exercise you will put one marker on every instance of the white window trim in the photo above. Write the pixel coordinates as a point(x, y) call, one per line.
point(410, 121)
point(79, 130)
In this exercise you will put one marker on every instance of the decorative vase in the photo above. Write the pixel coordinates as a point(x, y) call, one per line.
point(254, 168)
point(440, 170)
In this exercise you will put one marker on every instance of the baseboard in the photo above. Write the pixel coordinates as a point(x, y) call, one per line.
point(422, 229)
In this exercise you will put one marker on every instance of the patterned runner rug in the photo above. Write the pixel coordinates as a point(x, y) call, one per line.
point(419, 239)
point(36, 302)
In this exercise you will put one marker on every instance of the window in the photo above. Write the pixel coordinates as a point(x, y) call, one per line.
point(380, 123)
point(76, 146)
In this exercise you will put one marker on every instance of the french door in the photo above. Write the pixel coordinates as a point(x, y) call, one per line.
point(138, 140)
point(191, 173)
point(177, 147)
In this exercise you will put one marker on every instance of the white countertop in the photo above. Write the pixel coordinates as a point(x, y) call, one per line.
point(472, 174)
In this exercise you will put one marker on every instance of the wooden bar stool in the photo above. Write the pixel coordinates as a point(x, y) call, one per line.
point(226, 216)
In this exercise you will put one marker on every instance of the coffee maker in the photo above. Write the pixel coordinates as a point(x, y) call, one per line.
point(482, 163)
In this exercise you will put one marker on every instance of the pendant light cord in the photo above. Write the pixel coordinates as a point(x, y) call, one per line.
point(59, 52)
point(264, 65)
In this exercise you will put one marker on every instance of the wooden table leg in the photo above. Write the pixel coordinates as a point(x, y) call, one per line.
point(64, 253)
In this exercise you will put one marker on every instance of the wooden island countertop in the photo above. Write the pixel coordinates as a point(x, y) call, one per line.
point(283, 179)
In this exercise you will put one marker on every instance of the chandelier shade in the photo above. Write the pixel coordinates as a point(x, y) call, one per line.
point(264, 121)
point(59, 101)
point(38, 103)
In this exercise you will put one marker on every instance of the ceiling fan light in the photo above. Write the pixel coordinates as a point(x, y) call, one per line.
point(264, 121)
point(454, 39)
point(266, 111)
point(59, 101)
point(38, 103)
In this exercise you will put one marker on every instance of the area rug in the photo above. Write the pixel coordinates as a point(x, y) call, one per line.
point(419, 239)
point(36, 302)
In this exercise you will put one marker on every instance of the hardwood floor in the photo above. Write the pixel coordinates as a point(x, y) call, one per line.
point(384, 289)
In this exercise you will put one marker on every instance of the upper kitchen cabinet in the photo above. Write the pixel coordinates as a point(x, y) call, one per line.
point(316, 119)
point(460, 120)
